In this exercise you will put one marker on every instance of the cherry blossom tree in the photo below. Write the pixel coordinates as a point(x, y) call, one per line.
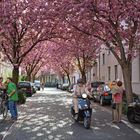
point(23, 24)
point(35, 58)
point(38, 69)
point(84, 51)
point(116, 23)
point(60, 60)
point(78, 49)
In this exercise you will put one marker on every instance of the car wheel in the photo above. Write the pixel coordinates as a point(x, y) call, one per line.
point(101, 101)
point(131, 115)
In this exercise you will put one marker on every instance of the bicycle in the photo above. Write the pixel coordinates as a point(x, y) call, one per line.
point(3, 105)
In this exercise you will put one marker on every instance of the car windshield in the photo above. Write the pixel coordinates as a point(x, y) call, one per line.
point(24, 84)
point(96, 84)
point(36, 81)
point(106, 88)
point(37, 84)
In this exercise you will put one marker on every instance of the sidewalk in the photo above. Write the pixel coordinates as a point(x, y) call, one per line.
point(135, 126)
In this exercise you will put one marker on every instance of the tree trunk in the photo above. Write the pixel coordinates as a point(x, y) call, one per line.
point(63, 78)
point(28, 77)
point(33, 77)
point(127, 72)
point(68, 76)
point(15, 74)
point(84, 76)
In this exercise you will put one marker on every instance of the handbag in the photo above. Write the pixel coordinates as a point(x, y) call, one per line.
point(113, 105)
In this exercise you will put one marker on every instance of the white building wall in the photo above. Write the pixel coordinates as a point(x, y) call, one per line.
point(92, 73)
point(110, 61)
point(136, 75)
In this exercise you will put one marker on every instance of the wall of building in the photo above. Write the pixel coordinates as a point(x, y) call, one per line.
point(136, 75)
point(110, 61)
point(92, 73)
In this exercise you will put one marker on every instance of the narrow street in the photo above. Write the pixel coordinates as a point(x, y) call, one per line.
point(46, 116)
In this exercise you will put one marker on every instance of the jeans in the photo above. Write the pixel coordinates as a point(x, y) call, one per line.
point(13, 109)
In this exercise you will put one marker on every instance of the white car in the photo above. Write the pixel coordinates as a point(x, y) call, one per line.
point(65, 86)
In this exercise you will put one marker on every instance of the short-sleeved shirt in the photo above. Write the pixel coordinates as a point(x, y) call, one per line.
point(79, 90)
point(11, 86)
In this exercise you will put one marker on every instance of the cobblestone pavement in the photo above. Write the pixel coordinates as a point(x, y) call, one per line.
point(46, 116)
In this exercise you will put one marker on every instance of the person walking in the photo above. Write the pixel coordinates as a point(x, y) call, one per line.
point(12, 98)
point(117, 92)
point(42, 86)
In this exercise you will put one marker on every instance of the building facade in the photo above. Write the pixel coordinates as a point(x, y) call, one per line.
point(108, 69)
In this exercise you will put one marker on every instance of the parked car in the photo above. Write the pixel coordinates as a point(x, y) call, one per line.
point(133, 109)
point(102, 94)
point(26, 87)
point(34, 88)
point(59, 86)
point(71, 90)
point(65, 86)
point(96, 84)
point(37, 84)
point(50, 84)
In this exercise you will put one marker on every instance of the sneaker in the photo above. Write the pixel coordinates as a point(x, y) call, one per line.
point(14, 118)
point(10, 120)
point(114, 121)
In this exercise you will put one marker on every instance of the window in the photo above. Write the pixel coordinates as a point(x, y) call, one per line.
point(109, 73)
point(116, 72)
point(103, 58)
